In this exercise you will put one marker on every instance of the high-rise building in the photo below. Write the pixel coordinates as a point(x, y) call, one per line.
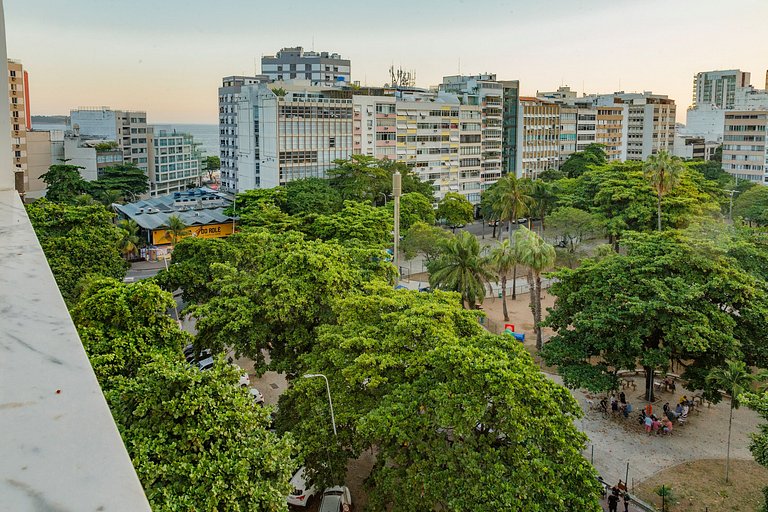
point(128, 128)
point(648, 121)
point(18, 92)
point(745, 149)
point(228, 97)
point(538, 138)
point(510, 126)
point(176, 162)
point(320, 68)
point(433, 132)
point(485, 91)
point(288, 131)
point(718, 88)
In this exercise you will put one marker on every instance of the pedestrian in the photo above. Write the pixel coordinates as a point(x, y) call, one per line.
point(613, 501)
point(626, 502)
point(622, 397)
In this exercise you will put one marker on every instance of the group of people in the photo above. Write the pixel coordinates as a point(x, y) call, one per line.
point(621, 405)
point(614, 498)
point(654, 425)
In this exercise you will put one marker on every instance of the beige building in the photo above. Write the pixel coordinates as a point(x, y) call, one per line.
point(18, 92)
point(539, 136)
point(432, 132)
point(610, 131)
point(745, 151)
point(39, 159)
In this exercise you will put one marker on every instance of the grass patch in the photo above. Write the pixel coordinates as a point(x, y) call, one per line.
point(699, 486)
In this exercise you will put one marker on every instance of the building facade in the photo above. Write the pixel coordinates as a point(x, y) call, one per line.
point(718, 88)
point(433, 132)
point(128, 128)
point(745, 151)
point(176, 162)
point(229, 95)
point(288, 131)
point(320, 68)
point(485, 91)
point(539, 137)
point(18, 97)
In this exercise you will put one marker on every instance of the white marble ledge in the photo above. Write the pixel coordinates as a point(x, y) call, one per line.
point(59, 447)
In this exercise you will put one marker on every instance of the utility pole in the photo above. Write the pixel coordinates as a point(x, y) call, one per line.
point(397, 189)
point(730, 209)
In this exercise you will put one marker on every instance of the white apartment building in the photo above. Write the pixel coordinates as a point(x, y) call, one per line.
point(176, 162)
point(648, 121)
point(128, 128)
point(488, 93)
point(320, 68)
point(288, 131)
point(435, 133)
point(229, 95)
point(745, 149)
point(715, 93)
point(538, 145)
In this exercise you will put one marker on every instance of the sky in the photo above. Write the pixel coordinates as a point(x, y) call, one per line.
point(168, 57)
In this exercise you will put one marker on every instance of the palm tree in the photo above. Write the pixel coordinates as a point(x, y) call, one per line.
point(501, 260)
point(512, 201)
point(487, 211)
point(461, 268)
point(111, 196)
point(538, 255)
point(129, 237)
point(735, 378)
point(176, 227)
point(543, 200)
point(663, 171)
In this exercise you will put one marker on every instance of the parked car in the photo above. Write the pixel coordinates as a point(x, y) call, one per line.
point(258, 398)
point(522, 220)
point(335, 499)
point(300, 495)
point(245, 380)
point(205, 364)
point(493, 223)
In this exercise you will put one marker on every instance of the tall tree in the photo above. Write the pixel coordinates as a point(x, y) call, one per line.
point(488, 199)
point(735, 378)
point(423, 238)
point(455, 209)
point(578, 163)
point(211, 165)
point(538, 256)
point(78, 241)
point(572, 225)
point(312, 195)
point(663, 172)
point(501, 260)
point(198, 442)
point(414, 207)
point(364, 178)
point(461, 419)
point(669, 298)
point(542, 200)
point(512, 201)
point(64, 183)
point(129, 240)
point(124, 326)
point(461, 268)
point(752, 206)
point(759, 445)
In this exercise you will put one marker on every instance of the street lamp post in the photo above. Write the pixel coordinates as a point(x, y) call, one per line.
point(397, 189)
point(385, 197)
point(730, 209)
point(330, 402)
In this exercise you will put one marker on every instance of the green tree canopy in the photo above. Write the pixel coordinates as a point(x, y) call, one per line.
point(461, 419)
point(278, 291)
point(572, 225)
point(752, 206)
point(197, 440)
point(455, 209)
point(414, 207)
point(78, 241)
point(670, 298)
point(367, 179)
point(122, 326)
point(423, 238)
point(578, 163)
point(126, 178)
point(64, 183)
point(356, 223)
point(311, 195)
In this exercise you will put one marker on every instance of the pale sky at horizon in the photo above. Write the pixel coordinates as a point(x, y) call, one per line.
point(168, 57)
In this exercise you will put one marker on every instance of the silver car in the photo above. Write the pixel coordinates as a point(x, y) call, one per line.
point(336, 499)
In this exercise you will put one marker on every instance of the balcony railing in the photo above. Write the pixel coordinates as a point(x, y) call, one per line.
point(60, 447)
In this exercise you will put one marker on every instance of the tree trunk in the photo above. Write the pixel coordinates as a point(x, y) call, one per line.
point(728, 450)
point(504, 297)
point(537, 313)
point(494, 230)
point(659, 211)
point(649, 383)
point(514, 281)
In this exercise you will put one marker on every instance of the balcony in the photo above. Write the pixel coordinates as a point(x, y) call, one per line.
point(61, 449)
